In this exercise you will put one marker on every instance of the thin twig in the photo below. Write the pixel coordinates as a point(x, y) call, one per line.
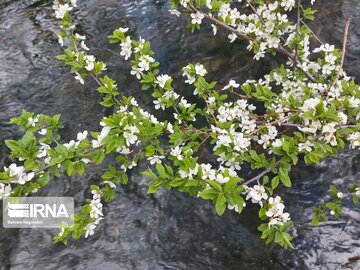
point(297, 27)
point(312, 32)
point(345, 39)
point(96, 79)
point(290, 125)
point(273, 123)
point(257, 177)
point(353, 258)
point(240, 95)
point(254, 10)
point(275, 113)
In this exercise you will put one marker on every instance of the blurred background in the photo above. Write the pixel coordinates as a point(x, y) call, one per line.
point(168, 230)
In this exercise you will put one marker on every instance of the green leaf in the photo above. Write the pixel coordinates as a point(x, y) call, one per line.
point(13, 145)
point(309, 13)
point(69, 167)
point(278, 237)
point(220, 204)
point(275, 182)
point(230, 185)
point(192, 183)
point(109, 193)
point(28, 138)
point(150, 150)
point(209, 194)
point(99, 157)
point(161, 170)
point(44, 179)
point(80, 168)
point(284, 177)
point(124, 179)
point(286, 240)
point(169, 170)
point(154, 186)
point(149, 173)
point(215, 185)
point(355, 199)
point(177, 182)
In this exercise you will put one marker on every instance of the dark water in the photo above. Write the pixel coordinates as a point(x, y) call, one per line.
point(168, 230)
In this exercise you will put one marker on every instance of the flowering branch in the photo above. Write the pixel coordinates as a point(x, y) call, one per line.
point(320, 114)
point(279, 49)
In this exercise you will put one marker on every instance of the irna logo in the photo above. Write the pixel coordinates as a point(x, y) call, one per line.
point(38, 212)
point(21, 210)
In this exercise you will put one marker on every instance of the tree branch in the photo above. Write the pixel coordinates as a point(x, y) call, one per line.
point(243, 36)
point(96, 79)
point(257, 177)
point(345, 39)
point(298, 26)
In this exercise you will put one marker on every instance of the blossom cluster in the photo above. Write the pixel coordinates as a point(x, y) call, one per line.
point(237, 137)
point(18, 174)
point(95, 213)
point(274, 206)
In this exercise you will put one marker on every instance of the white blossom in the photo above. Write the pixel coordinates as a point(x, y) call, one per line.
point(32, 121)
point(257, 194)
point(276, 208)
point(80, 37)
point(176, 152)
point(357, 191)
point(184, 103)
point(43, 150)
point(184, 2)
point(170, 128)
point(71, 145)
point(83, 45)
point(231, 84)
point(354, 139)
point(232, 37)
point(307, 146)
point(214, 28)
point(200, 70)
point(111, 184)
point(126, 48)
point(155, 159)
point(221, 179)
point(61, 10)
point(197, 17)
point(5, 190)
point(43, 131)
point(123, 30)
point(310, 104)
point(98, 142)
point(18, 174)
point(82, 135)
point(90, 62)
point(208, 172)
point(175, 12)
point(79, 78)
point(60, 40)
point(161, 80)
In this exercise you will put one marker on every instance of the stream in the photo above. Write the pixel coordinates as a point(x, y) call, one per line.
point(168, 230)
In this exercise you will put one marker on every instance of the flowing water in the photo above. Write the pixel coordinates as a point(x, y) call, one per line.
point(168, 230)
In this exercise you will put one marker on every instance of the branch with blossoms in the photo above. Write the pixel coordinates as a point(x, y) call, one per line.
point(311, 112)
